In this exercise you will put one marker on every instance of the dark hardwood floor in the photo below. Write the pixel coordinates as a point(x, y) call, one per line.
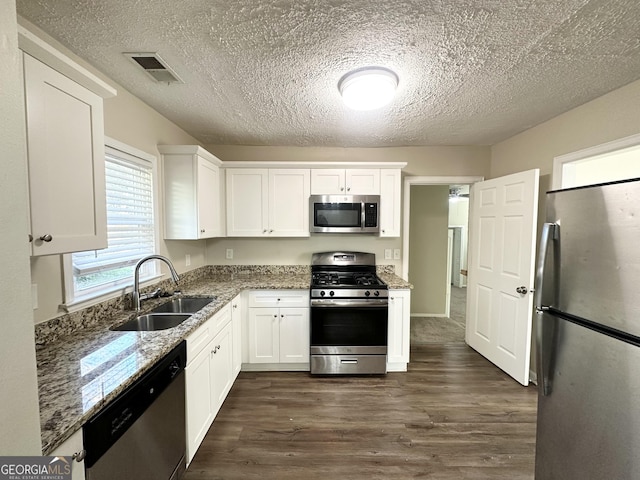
point(452, 416)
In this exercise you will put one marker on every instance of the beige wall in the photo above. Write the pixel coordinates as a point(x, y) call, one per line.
point(428, 228)
point(432, 161)
point(131, 121)
point(19, 417)
point(463, 161)
point(610, 117)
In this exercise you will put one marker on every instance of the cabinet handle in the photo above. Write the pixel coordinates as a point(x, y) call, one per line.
point(281, 316)
point(202, 230)
point(275, 316)
point(46, 238)
point(383, 230)
point(278, 299)
point(270, 231)
point(79, 456)
point(235, 305)
point(348, 189)
point(342, 189)
point(264, 231)
point(30, 238)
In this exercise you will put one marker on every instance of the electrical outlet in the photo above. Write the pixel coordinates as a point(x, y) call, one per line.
point(387, 254)
point(187, 260)
point(34, 295)
point(396, 254)
point(229, 253)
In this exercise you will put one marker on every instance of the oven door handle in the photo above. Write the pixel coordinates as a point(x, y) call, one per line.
point(329, 303)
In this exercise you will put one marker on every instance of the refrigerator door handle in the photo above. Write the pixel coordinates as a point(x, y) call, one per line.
point(550, 231)
point(546, 327)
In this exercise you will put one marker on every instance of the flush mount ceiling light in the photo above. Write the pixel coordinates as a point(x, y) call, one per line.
point(368, 88)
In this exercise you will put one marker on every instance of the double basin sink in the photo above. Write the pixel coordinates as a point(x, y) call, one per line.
point(167, 315)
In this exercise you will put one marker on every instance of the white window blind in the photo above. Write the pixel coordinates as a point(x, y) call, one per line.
point(130, 227)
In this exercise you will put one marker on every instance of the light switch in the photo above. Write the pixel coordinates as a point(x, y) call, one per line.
point(187, 260)
point(396, 254)
point(387, 254)
point(229, 253)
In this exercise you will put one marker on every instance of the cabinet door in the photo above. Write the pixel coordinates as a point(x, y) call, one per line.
point(264, 328)
point(399, 322)
point(199, 399)
point(363, 181)
point(236, 322)
point(289, 191)
point(294, 335)
point(390, 186)
point(221, 367)
point(208, 199)
point(65, 141)
point(72, 447)
point(327, 181)
point(247, 202)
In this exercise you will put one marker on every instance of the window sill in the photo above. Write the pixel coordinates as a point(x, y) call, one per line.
point(80, 303)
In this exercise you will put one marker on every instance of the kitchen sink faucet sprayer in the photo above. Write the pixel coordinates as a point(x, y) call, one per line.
point(137, 298)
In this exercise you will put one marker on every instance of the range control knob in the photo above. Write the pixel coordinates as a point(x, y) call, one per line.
point(331, 293)
point(323, 293)
point(367, 293)
point(377, 293)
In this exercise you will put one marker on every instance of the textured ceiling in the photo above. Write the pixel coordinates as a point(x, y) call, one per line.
point(259, 72)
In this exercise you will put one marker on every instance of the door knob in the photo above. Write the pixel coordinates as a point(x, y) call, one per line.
point(522, 290)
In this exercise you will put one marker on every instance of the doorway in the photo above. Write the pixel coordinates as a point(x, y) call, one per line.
point(434, 237)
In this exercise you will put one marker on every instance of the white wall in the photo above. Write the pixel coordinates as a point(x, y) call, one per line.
point(421, 161)
point(131, 121)
point(19, 414)
point(610, 117)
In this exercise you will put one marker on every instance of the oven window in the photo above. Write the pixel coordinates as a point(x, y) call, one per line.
point(348, 326)
point(337, 214)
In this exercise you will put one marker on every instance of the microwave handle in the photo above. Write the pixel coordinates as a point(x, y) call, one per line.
point(362, 216)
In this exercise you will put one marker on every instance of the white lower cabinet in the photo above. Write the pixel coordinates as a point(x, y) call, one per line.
point(398, 333)
point(278, 334)
point(209, 375)
point(73, 447)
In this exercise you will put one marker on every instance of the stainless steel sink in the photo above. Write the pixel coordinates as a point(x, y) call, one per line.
point(153, 321)
point(184, 305)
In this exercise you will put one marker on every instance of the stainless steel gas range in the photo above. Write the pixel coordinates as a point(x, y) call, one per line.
point(349, 310)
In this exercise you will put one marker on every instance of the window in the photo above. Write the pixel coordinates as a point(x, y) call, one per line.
point(131, 229)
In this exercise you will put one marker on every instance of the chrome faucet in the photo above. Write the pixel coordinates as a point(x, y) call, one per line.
point(137, 298)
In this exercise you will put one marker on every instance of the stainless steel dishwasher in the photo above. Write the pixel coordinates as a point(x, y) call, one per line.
point(141, 434)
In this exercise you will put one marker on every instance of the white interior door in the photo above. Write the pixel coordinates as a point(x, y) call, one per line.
point(501, 261)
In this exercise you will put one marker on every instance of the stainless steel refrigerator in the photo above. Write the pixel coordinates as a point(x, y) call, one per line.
point(588, 334)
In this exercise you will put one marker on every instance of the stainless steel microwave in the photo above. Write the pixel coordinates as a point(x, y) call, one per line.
point(344, 213)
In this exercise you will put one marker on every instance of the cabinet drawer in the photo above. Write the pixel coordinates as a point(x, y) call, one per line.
point(279, 298)
point(199, 339)
point(221, 318)
point(203, 335)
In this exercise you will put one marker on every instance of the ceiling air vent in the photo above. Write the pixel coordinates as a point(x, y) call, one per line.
point(155, 66)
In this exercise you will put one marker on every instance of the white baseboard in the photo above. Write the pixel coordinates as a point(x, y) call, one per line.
point(428, 315)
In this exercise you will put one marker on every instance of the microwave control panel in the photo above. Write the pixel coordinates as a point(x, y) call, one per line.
point(370, 215)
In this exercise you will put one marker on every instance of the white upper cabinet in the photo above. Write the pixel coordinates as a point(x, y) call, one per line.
point(65, 150)
point(267, 202)
point(65, 144)
point(390, 197)
point(192, 198)
point(356, 181)
point(289, 191)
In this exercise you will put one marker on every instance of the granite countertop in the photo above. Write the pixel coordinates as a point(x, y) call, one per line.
point(82, 371)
